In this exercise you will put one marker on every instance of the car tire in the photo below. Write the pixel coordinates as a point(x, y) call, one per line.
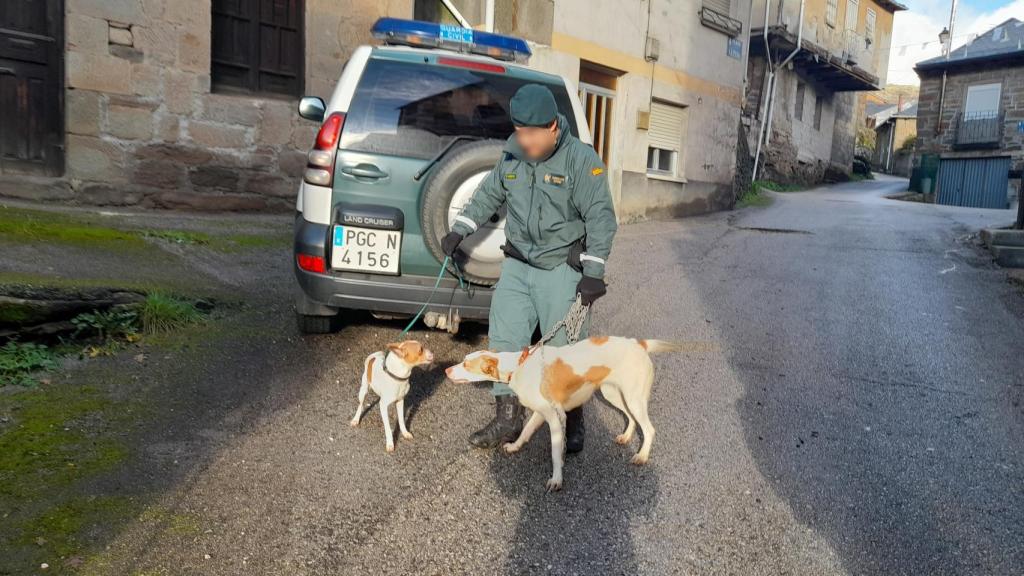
point(459, 165)
point(317, 324)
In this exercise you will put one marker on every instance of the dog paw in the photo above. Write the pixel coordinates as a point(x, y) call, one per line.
point(639, 459)
point(623, 438)
point(407, 435)
point(510, 448)
point(554, 484)
point(389, 448)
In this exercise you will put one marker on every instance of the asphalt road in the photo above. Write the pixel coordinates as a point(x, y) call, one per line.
point(852, 402)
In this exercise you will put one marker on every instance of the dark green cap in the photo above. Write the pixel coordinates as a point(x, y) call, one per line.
point(533, 105)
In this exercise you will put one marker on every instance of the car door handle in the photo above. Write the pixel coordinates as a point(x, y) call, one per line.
point(364, 171)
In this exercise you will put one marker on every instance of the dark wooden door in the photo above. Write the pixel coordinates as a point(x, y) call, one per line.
point(31, 86)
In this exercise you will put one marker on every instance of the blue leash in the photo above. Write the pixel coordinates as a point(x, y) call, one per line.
point(444, 266)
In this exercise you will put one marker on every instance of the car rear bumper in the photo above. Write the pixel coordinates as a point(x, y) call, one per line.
point(389, 294)
point(393, 294)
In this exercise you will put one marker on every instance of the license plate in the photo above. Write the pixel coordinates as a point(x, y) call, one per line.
point(366, 249)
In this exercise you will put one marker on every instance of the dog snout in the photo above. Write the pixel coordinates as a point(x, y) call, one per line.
point(448, 371)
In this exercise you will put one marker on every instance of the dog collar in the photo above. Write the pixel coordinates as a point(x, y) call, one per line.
point(384, 365)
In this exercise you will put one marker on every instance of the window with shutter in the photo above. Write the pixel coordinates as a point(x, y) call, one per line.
point(723, 7)
point(257, 46)
point(852, 14)
point(665, 138)
point(869, 27)
point(831, 8)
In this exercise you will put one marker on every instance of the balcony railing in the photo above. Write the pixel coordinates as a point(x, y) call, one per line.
point(979, 129)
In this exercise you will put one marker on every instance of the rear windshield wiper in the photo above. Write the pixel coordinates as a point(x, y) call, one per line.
point(437, 157)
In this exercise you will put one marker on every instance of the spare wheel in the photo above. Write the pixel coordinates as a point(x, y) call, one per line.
point(448, 188)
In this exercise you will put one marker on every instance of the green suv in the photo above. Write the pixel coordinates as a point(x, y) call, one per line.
point(411, 130)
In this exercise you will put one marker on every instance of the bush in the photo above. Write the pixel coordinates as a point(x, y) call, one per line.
point(19, 360)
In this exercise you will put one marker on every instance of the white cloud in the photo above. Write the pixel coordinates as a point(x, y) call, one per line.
point(915, 34)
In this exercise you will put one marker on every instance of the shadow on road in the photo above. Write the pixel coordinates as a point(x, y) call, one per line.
point(874, 414)
point(585, 528)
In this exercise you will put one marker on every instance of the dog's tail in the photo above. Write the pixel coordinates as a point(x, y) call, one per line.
point(659, 346)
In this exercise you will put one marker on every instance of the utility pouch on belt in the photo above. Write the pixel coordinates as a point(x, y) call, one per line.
point(575, 251)
point(513, 252)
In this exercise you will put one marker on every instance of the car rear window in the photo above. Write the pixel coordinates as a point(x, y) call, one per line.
point(414, 110)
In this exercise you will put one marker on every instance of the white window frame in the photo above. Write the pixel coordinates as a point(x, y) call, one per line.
point(852, 6)
point(674, 170)
point(831, 12)
point(870, 19)
point(603, 105)
point(976, 88)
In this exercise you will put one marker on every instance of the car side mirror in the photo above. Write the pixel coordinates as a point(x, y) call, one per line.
point(312, 108)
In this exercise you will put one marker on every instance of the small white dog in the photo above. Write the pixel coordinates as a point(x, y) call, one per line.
point(387, 373)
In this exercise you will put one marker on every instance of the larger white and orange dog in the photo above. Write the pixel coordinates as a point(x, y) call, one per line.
point(553, 380)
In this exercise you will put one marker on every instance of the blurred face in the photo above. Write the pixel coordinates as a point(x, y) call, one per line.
point(537, 142)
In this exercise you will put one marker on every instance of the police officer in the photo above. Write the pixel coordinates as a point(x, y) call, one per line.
point(559, 231)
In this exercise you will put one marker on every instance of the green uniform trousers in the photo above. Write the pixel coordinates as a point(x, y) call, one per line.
point(524, 298)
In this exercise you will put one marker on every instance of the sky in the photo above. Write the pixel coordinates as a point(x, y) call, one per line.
point(916, 30)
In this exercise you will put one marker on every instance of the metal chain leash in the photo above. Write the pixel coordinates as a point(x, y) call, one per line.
point(572, 322)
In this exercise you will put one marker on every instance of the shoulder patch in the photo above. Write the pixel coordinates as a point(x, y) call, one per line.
point(597, 171)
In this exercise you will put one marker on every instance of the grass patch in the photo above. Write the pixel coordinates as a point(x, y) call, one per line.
point(163, 313)
point(21, 361)
point(759, 185)
point(177, 236)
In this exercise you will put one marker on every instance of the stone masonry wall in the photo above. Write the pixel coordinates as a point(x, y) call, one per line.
point(930, 140)
point(143, 127)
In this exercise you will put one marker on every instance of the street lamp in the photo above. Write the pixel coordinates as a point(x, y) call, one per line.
point(944, 39)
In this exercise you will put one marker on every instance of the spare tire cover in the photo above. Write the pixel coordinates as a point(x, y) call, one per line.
point(449, 187)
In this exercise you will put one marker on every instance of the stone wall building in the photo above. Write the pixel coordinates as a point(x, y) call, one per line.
point(843, 49)
point(148, 121)
point(978, 113)
point(191, 103)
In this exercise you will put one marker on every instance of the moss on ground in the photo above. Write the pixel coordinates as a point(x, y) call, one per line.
point(36, 226)
point(23, 225)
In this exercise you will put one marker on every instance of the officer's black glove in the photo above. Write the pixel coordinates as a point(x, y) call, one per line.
point(450, 243)
point(590, 289)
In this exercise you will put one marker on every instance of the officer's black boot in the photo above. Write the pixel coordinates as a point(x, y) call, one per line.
point(574, 430)
point(506, 426)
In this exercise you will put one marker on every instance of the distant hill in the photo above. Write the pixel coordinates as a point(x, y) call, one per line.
point(891, 94)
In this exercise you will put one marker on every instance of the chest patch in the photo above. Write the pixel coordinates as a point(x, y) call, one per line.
point(510, 176)
point(556, 179)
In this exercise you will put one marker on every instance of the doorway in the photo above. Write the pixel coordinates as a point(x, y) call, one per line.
point(32, 87)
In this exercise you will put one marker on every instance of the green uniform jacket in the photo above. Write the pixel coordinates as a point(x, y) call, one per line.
point(551, 203)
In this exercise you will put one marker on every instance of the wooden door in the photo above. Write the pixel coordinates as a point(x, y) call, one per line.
point(32, 87)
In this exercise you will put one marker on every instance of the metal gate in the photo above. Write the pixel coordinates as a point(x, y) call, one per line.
point(974, 182)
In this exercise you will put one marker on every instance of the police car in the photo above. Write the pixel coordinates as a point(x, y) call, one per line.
point(412, 128)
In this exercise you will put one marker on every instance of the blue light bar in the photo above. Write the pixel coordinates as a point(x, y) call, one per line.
point(448, 37)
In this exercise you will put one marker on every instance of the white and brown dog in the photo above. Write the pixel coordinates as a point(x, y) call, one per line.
point(387, 374)
point(553, 380)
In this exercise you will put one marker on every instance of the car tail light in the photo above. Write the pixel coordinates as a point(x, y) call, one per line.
point(320, 161)
point(311, 263)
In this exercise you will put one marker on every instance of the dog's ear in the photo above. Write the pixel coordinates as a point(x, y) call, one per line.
point(490, 367)
point(395, 347)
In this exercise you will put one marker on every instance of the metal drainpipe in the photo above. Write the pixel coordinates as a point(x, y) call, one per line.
point(746, 55)
point(769, 79)
point(489, 15)
point(771, 96)
point(456, 14)
point(947, 49)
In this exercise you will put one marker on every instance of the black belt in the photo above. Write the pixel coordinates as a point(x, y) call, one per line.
point(575, 251)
